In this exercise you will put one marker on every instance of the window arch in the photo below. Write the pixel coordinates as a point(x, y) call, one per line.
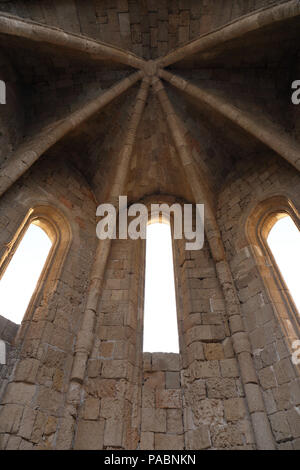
point(260, 231)
point(23, 272)
point(160, 312)
point(284, 242)
point(56, 234)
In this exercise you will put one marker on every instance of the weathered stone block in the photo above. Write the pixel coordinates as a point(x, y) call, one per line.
point(148, 397)
point(229, 368)
point(236, 324)
point(295, 392)
point(113, 432)
point(172, 380)
point(147, 441)
point(261, 426)
point(25, 445)
point(147, 362)
point(241, 343)
point(296, 444)
point(174, 421)
point(111, 407)
point(89, 435)
point(282, 396)
point(228, 348)
point(114, 369)
point(226, 437)
point(221, 388)
point(27, 423)
point(94, 368)
point(165, 361)
point(195, 391)
point(49, 400)
point(101, 388)
point(154, 420)
point(13, 443)
point(91, 408)
point(168, 442)
point(269, 401)
point(247, 369)
point(198, 439)
point(267, 378)
point(154, 379)
point(10, 418)
point(284, 371)
point(199, 333)
point(51, 425)
point(19, 393)
point(280, 426)
point(293, 418)
point(234, 409)
point(208, 411)
point(205, 369)
point(213, 351)
point(254, 398)
point(168, 398)
point(195, 351)
point(26, 370)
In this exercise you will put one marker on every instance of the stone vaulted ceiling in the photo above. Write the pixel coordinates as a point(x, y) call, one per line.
point(73, 81)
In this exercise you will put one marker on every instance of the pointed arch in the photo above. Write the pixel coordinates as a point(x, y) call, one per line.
point(258, 226)
point(57, 228)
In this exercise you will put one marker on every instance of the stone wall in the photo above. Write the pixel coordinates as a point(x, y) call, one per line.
point(149, 28)
point(215, 410)
point(32, 404)
point(110, 401)
point(205, 382)
point(209, 406)
point(162, 402)
point(209, 396)
point(250, 183)
point(8, 331)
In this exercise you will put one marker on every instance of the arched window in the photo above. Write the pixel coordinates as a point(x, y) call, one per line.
point(274, 239)
point(21, 275)
point(284, 241)
point(31, 263)
point(160, 314)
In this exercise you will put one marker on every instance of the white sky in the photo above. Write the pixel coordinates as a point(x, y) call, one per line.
point(22, 274)
point(284, 241)
point(160, 315)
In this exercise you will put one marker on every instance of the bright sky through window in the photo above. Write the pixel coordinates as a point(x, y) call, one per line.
point(160, 317)
point(284, 241)
point(22, 274)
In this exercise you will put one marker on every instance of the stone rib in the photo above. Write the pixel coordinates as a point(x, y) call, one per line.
point(23, 28)
point(85, 337)
point(234, 30)
point(263, 130)
point(27, 154)
point(240, 339)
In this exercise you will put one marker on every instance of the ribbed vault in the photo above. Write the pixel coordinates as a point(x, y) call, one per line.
point(228, 88)
point(141, 99)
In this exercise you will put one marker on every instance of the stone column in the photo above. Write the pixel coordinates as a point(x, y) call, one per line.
point(85, 337)
point(241, 343)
